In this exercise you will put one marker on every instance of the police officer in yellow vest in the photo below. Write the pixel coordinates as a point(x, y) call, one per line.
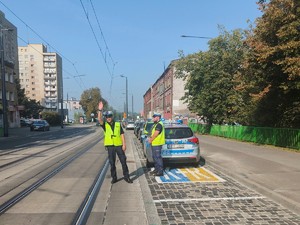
point(114, 141)
point(157, 140)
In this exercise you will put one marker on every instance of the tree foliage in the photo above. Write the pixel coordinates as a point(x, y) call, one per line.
point(53, 118)
point(32, 108)
point(251, 76)
point(89, 101)
point(211, 78)
point(272, 68)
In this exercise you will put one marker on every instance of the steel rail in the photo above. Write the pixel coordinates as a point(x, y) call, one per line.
point(11, 202)
point(84, 210)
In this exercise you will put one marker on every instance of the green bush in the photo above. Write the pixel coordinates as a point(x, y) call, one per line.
point(53, 118)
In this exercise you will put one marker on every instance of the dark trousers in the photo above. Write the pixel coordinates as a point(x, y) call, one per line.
point(112, 152)
point(158, 161)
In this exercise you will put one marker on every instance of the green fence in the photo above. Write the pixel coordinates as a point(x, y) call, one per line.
point(288, 138)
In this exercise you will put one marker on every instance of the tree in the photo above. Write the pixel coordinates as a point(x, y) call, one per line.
point(272, 68)
point(89, 101)
point(32, 108)
point(211, 78)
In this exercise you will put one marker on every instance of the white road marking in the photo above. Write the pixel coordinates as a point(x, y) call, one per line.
point(209, 199)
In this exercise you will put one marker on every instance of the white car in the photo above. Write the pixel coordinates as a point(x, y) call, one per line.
point(182, 146)
point(130, 125)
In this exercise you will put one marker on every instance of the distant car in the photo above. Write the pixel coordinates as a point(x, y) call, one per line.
point(129, 125)
point(25, 122)
point(40, 125)
point(182, 146)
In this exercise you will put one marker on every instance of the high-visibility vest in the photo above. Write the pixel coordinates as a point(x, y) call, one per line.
point(112, 138)
point(160, 139)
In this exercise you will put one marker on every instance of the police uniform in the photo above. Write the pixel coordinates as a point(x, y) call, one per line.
point(156, 147)
point(113, 144)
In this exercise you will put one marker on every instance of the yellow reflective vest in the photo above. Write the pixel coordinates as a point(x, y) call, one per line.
point(160, 139)
point(113, 137)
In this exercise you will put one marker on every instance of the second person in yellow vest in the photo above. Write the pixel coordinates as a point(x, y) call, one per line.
point(157, 140)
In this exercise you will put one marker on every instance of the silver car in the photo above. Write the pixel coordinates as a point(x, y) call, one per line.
point(130, 125)
point(182, 146)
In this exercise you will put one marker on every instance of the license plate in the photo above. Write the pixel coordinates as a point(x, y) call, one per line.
point(175, 146)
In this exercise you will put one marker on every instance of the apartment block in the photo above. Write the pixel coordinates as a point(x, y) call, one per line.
point(165, 95)
point(9, 71)
point(41, 75)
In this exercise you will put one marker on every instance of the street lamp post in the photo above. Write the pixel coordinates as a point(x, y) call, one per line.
point(126, 95)
point(4, 101)
point(189, 36)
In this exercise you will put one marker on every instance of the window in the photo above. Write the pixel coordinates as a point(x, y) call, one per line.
point(178, 133)
point(12, 96)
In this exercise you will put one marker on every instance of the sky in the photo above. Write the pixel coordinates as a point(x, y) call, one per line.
point(101, 40)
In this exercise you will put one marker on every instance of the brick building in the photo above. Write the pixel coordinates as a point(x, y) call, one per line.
point(164, 96)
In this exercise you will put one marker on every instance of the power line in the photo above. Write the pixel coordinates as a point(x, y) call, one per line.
point(102, 33)
point(93, 31)
point(44, 40)
point(79, 84)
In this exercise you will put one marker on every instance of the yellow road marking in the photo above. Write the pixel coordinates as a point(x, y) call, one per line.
point(200, 175)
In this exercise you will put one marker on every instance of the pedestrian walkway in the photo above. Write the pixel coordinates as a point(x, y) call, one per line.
point(123, 203)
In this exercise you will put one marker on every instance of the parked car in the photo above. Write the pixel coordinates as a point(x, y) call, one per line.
point(182, 146)
point(139, 128)
point(145, 131)
point(25, 122)
point(136, 124)
point(41, 125)
point(129, 125)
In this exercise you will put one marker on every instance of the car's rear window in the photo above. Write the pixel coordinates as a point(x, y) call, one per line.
point(178, 133)
point(149, 126)
point(39, 122)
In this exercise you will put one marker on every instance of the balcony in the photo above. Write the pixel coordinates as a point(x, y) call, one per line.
point(50, 78)
point(47, 70)
point(49, 59)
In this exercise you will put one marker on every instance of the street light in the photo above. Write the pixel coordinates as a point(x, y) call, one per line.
point(188, 36)
point(126, 95)
point(4, 103)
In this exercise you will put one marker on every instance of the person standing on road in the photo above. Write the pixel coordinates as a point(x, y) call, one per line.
point(157, 140)
point(114, 142)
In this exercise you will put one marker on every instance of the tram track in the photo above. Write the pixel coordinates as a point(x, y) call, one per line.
point(17, 197)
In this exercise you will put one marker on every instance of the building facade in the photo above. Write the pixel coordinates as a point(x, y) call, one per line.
point(41, 75)
point(9, 71)
point(165, 95)
point(72, 110)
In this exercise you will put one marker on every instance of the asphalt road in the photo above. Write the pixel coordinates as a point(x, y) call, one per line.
point(272, 171)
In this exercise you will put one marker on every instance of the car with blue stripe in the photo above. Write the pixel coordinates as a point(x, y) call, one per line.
point(181, 146)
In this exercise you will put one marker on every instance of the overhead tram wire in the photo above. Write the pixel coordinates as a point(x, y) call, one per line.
point(93, 31)
point(46, 42)
point(107, 48)
point(79, 84)
point(102, 34)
